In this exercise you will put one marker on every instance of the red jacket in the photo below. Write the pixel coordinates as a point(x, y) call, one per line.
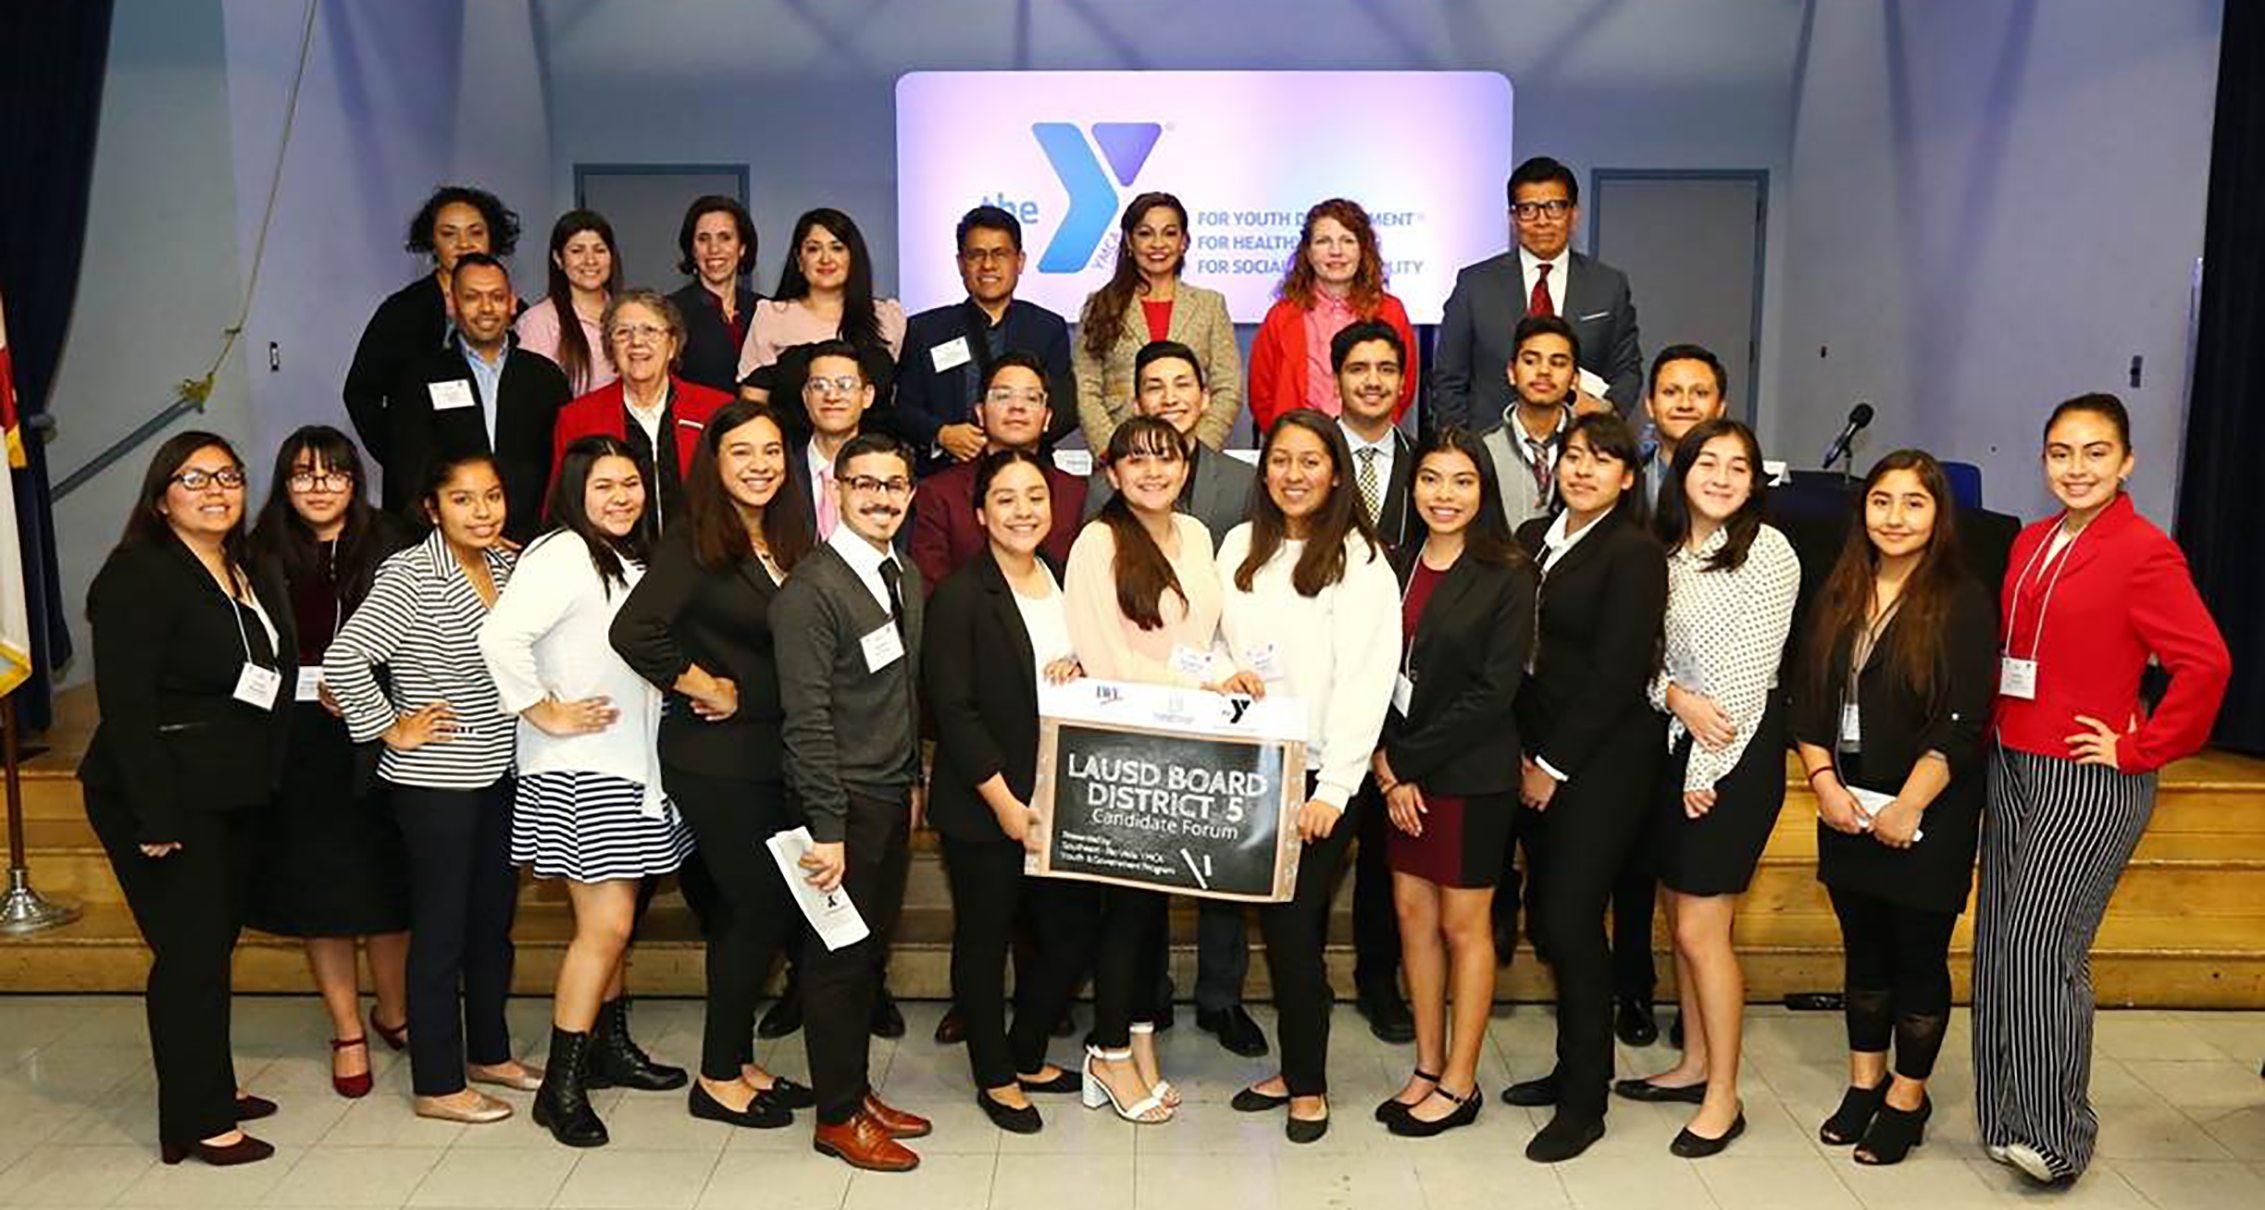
point(601, 414)
point(1278, 361)
point(945, 533)
point(2124, 594)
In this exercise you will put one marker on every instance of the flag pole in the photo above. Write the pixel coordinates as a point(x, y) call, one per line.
point(22, 909)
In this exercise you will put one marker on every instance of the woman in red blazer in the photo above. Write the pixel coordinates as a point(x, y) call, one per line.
point(2090, 595)
point(645, 334)
point(1336, 277)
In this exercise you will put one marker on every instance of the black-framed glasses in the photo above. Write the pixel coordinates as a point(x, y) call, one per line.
point(329, 481)
point(196, 481)
point(847, 384)
point(867, 485)
point(1555, 207)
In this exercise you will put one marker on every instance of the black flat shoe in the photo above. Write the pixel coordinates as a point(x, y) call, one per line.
point(1660, 1094)
point(787, 1094)
point(888, 1019)
point(1634, 1024)
point(1407, 1125)
point(785, 1014)
point(246, 1150)
point(1006, 1117)
point(1251, 1100)
point(1234, 1028)
point(762, 1113)
point(1388, 1017)
point(250, 1108)
point(1894, 1132)
point(1698, 1147)
point(1566, 1136)
point(1304, 1130)
point(1541, 1090)
point(1064, 1080)
point(1392, 1106)
point(1849, 1122)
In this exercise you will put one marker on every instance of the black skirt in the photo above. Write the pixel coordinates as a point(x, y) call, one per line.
point(1936, 874)
point(1716, 853)
point(330, 861)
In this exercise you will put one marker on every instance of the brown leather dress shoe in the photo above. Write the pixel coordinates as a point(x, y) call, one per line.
point(862, 1142)
point(897, 1122)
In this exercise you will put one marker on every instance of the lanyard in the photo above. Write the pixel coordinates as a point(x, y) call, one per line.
point(2058, 564)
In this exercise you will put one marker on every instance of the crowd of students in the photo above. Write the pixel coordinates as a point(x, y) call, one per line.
point(716, 570)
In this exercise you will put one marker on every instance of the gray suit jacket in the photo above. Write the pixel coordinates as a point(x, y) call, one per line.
point(1468, 386)
point(1218, 495)
point(848, 731)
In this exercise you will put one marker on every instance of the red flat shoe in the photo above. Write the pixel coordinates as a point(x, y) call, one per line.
point(249, 1108)
point(396, 1036)
point(355, 1086)
point(246, 1150)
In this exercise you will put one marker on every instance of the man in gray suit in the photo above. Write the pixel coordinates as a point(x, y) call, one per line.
point(1540, 276)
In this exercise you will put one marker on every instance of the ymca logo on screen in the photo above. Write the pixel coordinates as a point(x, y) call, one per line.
point(1093, 200)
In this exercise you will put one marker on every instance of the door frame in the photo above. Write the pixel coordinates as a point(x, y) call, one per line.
point(584, 171)
point(1760, 177)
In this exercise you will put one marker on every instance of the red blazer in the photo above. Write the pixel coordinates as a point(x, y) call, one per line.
point(945, 533)
point(600, 413)
point(2124, 595)
point(1278, 361)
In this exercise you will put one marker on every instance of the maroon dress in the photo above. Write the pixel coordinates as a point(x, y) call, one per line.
point(1463, 839)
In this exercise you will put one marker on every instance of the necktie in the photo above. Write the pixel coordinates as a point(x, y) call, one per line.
point(892, 578)
point(1540, 303)
point(1371, 491)
point(1537, 454)
point(829, 510)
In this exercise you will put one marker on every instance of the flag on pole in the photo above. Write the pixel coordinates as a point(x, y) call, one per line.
point(15, 611)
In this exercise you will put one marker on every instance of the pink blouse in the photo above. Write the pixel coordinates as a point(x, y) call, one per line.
point(1323, 321)
point(538, 330)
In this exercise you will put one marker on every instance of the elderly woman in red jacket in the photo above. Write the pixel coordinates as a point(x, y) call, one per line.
point(2092, 593)
point(1335, 277)
point(648, 407)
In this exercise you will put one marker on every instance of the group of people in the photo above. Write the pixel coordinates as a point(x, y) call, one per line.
point(1544, 661)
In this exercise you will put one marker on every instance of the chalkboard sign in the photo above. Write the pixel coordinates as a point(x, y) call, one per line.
point(1183, 791)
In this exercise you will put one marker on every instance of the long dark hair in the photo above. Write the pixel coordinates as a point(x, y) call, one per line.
point(1322, 563)
point(1609, 435)
point(719, 537)
point(569, 509)
point(1673, 524)
point(861, 321)
point(1142, 572)
point(1103, 320)
point(282, 538)
point(1487, 538)
point(575, 356)
point(147, 525)
point(1923, 611)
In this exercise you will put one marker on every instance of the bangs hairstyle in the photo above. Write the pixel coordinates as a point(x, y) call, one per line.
point(1300, 281)
point(741, 221)
point(1488, 537)
point(575, 356)
point(1674, 524)
point(282, 538)
point(719, 537)
point(1142, 572)
point(569, 508)
point(1322, 562)
point(502, 220)
point(2099, 403)
point(146, 524)
point(1607, 434)
point(1103, 319)
point(1922, 615)
point(861, 321)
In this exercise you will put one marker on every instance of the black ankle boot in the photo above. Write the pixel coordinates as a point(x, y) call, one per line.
point(563, 1102)
point(616, 1061)
point(1894, 1133)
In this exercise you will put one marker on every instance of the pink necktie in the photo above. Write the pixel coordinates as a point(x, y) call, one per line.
point(829, 512)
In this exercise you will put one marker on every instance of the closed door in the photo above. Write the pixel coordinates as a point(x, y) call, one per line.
point(1691, 245)
point(646, 204)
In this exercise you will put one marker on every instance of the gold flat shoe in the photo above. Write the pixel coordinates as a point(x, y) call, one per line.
point(487, 1110)
point(530, 1080)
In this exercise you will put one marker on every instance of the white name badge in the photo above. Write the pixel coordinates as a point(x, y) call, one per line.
point(310, 685)
point(883, 647)
point(448, 396)
point(257, 686)
point(1403, 692)
point(1265, 660)
point(2017, 678)
point(951, 353)
point(1191, 662)
point(1851, 724)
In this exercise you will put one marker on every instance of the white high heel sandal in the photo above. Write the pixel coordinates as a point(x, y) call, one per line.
point(1162, 1090)
point(1096, 1091)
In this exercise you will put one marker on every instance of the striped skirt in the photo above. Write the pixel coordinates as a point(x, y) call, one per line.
point(2055, 839)
point(587, 827)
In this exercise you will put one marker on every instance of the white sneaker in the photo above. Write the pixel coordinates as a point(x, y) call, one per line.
point(2031, 1162)
point(1997, 1154)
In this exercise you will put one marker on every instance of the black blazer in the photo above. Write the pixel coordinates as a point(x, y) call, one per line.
point(532, 390)
point(982, 683)
point(929, 398)
point(410, 323)
point(1899, 728)
point(680, 615)
point(1460, 735)
point(1602, 610)
point(710, 356)
point(167, 652)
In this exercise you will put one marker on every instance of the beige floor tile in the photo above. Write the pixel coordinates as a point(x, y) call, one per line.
point(334, 1175)
point(496, 1178)
point(610, 1179)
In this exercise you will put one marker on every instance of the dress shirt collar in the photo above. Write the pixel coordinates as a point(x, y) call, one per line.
point(1556, 544)
point(1560, 269)
point(1383, 445)
point(863, 560)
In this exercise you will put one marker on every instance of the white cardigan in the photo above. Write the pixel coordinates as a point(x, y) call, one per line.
point(547, 636)
point(1337, 651)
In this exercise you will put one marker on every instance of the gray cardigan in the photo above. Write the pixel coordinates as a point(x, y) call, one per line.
point(848, 732)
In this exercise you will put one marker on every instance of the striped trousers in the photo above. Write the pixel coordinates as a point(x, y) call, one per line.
point(2054, 841)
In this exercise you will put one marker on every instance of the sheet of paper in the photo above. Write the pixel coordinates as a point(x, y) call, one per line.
point(1872, 802)
point(830, 913)
point(1592, 382)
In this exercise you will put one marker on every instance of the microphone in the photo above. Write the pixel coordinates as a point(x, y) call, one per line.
point(1858, 417)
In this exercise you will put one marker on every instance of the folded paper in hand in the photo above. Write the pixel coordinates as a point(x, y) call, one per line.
point(1872, 802)
point(830, 913)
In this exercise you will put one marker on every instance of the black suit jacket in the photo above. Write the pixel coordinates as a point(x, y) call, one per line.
point(710, 356)
point(409, 324)
point(1460, 735)
point(1602, 608)
point(1396, 522)
point(1473, 349)
point(982, 683)
point(929, 398)
point(680, 615)
point(531, 392)
point(167, 652)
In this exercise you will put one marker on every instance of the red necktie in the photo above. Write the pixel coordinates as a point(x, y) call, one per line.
point(1540, 304)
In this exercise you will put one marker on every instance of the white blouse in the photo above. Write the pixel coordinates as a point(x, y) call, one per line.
point(1047, 621)
point(1725, 634)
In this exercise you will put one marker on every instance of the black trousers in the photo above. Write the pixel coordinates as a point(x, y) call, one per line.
point(838, 985)
point(1898, 978)
point(1222, 954)
point(748, 916)
point(1635, 901)
point(463, 892)
point(190, 906)
point(1376, 922)
point(1128, 963)
point(988, 894)
point(1294, 933)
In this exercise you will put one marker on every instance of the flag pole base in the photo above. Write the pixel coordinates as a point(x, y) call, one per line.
point(24, 910)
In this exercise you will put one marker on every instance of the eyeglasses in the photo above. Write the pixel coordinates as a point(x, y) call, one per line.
point(844, 385)
point(1032, 396)
point(1527, 212)
point(981, 256)
point(329, 481)
point(629, 333)
point(867, 485)
point(197, 481)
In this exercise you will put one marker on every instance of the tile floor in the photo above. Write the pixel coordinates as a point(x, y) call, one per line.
point(2179, 1094)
